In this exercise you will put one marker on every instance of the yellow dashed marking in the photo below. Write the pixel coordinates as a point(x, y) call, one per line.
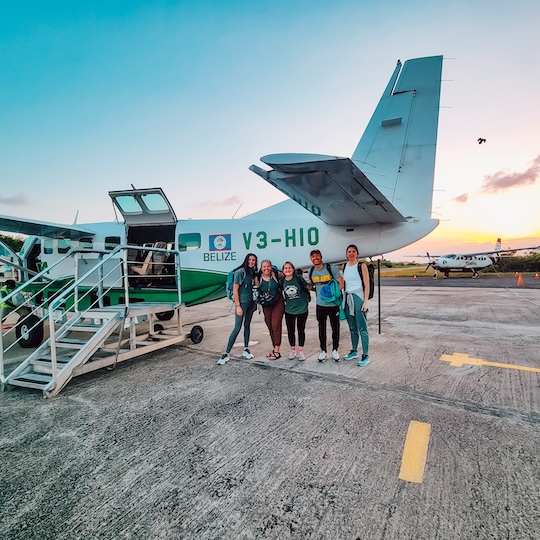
point(460, 359)
point(415, 450)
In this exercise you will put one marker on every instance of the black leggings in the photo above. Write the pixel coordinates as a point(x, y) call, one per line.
point(301, 323)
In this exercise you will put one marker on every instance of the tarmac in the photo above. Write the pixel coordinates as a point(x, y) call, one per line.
point(437, 438)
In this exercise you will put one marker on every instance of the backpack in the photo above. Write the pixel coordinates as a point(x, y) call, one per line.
point(230, 283)
point(371, 272)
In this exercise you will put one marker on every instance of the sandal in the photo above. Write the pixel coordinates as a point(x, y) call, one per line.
point(271, 353)
point(274, 356)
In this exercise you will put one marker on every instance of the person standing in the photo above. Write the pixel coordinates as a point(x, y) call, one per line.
point(320, 275)
point(245, 279)
point(13, 304)
point(271, 299)
point(296, 309)
point(356, 304)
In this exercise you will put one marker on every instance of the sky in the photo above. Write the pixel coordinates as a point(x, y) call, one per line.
point(185, 95)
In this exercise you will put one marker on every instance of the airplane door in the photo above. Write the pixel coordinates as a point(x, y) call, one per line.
point(150, 221)
point(144, 207)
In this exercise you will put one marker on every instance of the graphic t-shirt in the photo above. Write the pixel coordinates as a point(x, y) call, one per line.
point(320, 278)
point(296, 297)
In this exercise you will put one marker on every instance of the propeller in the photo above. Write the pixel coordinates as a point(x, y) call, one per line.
point(430, 263)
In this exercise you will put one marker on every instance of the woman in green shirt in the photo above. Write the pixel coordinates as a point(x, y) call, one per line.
point(297, 297)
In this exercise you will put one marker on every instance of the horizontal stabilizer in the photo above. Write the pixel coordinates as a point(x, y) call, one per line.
point(41, 228)
point(332, 188)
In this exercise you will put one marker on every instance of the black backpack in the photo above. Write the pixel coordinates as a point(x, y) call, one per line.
point(371, 272)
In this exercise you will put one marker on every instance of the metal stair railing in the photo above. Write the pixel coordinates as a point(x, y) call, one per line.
point(72, 293)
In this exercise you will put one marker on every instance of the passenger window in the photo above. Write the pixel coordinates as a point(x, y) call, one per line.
point(189, 241)
point(155, 203)
point(86, 243)
point(111, 242)
point(63, 245)
point(48, 246)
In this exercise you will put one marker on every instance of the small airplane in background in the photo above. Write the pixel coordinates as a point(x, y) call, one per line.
point(380, 199)
point(468, 262)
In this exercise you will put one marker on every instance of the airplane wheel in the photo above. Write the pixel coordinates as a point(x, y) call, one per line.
point(29, 332)
point(196, 334)
point(165, 315)
point(158, 328)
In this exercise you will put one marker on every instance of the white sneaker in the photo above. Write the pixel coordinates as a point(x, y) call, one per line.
point(247, 355)
point(322, 356)
point(335, 356)
point(224, 358)
point(292, 354)
point(301, 356)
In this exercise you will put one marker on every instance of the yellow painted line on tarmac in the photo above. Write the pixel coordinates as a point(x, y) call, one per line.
point(460, 359)
point(413, 461)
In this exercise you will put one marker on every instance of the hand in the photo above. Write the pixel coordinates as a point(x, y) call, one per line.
point(239, 310)
point(365, 306)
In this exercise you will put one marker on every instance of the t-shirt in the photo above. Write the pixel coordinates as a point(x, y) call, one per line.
point(271, 287)
point(296, 297)
point(245, 280)
point(320, 278)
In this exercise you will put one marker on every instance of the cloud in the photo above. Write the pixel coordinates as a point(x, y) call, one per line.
point(461, 198)
point(502, 180)
point(16, 200)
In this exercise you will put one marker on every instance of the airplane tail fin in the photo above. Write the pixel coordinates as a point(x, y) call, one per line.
point(498, 245)
point(397, 150)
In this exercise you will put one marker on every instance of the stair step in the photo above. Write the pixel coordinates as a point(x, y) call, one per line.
point(27, 384)
point(71, 341)
point(71, 344)
point(31, 380)
point(83, 327)
point(48, 358)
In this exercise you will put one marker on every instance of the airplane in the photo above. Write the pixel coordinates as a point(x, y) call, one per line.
point(467, 262)
point(380, 199)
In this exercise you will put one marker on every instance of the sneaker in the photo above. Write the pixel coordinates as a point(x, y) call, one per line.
point(335, 356)
point(301, 356)
point(364, 360)
point(322, 356)
point(353, 355)
point(224, 358)
point(246, 354)
point(292, 354)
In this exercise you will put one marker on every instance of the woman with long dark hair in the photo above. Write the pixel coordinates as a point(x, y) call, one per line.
point(245, 279)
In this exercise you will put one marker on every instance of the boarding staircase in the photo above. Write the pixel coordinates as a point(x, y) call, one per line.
point(84, 333)
point(52, 365)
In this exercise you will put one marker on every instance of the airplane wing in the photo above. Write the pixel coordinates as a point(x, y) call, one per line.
point(41, 228)
point(332, 188)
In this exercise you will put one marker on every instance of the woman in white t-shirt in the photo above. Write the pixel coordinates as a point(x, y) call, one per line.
point(356, 304)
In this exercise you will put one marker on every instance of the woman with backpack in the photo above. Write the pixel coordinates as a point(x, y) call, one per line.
point(357, 291)
point(271, 300)
point(297, 297)
point(245, 279)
